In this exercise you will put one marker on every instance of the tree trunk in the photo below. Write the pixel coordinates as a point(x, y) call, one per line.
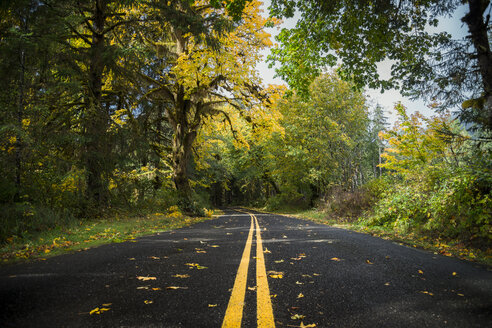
point(96, 121)
point(183, 139)
point(478, 32)
point(19, 115)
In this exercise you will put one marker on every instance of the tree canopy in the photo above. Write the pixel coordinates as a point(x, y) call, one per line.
point(429, 65)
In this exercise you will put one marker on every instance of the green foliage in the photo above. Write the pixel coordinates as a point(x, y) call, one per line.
point(361, 34)
point(436, 184)
point(23, 220)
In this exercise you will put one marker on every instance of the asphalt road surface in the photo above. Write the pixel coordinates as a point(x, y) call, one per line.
point(243, 270)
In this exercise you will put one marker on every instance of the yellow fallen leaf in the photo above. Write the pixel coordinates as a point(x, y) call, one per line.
point(266, 251)
point(156, 288)
point(181, 276)
point(214, 246)
point(201, 252)
point(369, 262)
point(212, 305)
point(276, 276)
point(176, 287)
point(148, 302)
point(307, 326)
point(95, 311)
point(459, 294)
point(252, 288)
point(421, 272)
point(146, 278)
point(132, 259)
point(143, 287)
point(98, 310)
point(273, 295)
point(316, 274)
point(107, 304)
point(454, 273)
point(299, 283)
point(335, 259)
point(279, 261)
point(387, 284)
point(301, 295)
point(297, 317)
point(154, 257)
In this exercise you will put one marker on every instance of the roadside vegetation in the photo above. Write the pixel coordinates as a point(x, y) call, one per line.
point(115, 111)
point(77, 236)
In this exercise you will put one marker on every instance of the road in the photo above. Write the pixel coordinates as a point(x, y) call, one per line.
point(242, 270)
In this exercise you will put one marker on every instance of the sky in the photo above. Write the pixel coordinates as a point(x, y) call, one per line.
point(387, 100)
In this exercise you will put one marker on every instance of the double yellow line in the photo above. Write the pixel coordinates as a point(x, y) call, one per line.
point(234, 312)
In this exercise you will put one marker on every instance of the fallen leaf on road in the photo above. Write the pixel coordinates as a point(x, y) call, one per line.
point(201, 252)
point(454, 273)
point(306, 276)
point(266, 251)
point(279, 261)
point(275, 272)
point(252, 288)
point(335, 259)
point(148, 302)
point(146, 278)
point(98, 310)
point(421, 272)
point(195, 265)
point(301, 295)
point(299, 283)
point(369, 262)
point(387, 284)
point(181, 276)
point(154, 258)
point(212, 305)
point(307, 326)
point(276, 276)
point(156, 288)
point(143, 287)
point(297, 317)
point(426, 292)
point(459, 294)
point(176, 287)
point(214, 246)
point(107, 304)
point(132, 259)
point(316, 274)
point(273, 295)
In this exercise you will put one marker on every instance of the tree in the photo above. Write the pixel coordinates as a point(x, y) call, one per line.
point(363, 33)
point(324, 137)
point(201, 71)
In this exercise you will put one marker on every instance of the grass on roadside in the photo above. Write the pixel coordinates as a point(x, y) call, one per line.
point(86, 234)
point(453, 248)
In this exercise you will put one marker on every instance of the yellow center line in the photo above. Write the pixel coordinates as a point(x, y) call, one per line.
point(234, 312)
point(264, 309)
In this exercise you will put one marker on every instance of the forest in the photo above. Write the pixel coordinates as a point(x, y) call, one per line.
point(129, 108)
